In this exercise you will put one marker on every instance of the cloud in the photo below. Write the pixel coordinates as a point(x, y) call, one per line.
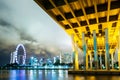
point(4, 23)
point(3, 6)
point(25, 36)
point(11, 33)
point(23, 21)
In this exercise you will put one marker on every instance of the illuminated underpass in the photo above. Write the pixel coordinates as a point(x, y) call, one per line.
point(94, 26)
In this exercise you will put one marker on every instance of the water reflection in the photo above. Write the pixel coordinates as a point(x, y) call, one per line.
point(17, 75)
point(32, 74)
point(49, 75)
point(97, 77)
point(76, 77)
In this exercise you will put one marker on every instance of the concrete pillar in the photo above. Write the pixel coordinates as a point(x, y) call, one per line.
point(86, 61)
point(107, 61)
point(112, 61)
point(88, 58)
point(75, 54)
point(76, 61)
point(119, 48)
point(84, 49)
point(91, 61)
point(100, 60)
point(95, 49)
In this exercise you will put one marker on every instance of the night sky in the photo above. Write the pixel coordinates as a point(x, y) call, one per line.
point(23, 21)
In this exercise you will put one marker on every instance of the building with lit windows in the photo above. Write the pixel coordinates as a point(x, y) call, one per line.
point(66, 58)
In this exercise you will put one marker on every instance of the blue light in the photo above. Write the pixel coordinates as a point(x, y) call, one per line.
point(35, 66)
point(32, 57)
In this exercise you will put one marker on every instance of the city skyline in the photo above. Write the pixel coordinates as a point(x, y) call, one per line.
point(25, 22)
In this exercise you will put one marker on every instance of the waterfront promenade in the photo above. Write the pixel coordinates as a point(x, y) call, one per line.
point(95, 72)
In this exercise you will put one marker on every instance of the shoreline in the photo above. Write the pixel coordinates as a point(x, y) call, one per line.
point(74, 72)
point(95, 72)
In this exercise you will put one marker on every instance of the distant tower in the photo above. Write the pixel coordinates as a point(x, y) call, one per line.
point(60, 57)
point(13, 57)
point(67, 58)
point(54, 59)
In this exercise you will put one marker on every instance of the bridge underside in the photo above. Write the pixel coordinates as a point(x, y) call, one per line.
point(95, 25)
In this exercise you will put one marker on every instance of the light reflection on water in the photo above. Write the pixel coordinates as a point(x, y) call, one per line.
point(17, 75)
point(48, 75)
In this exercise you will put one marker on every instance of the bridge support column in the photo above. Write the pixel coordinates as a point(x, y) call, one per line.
point(95, 49)
point(100, 60)
point(112, 61)
point(84, 49)
point(119, 48)
point(107, 61)
point(91, 61)
point(75, 54)
point(87, 61)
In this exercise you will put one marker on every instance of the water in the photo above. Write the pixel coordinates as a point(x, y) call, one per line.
point(48, 75)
